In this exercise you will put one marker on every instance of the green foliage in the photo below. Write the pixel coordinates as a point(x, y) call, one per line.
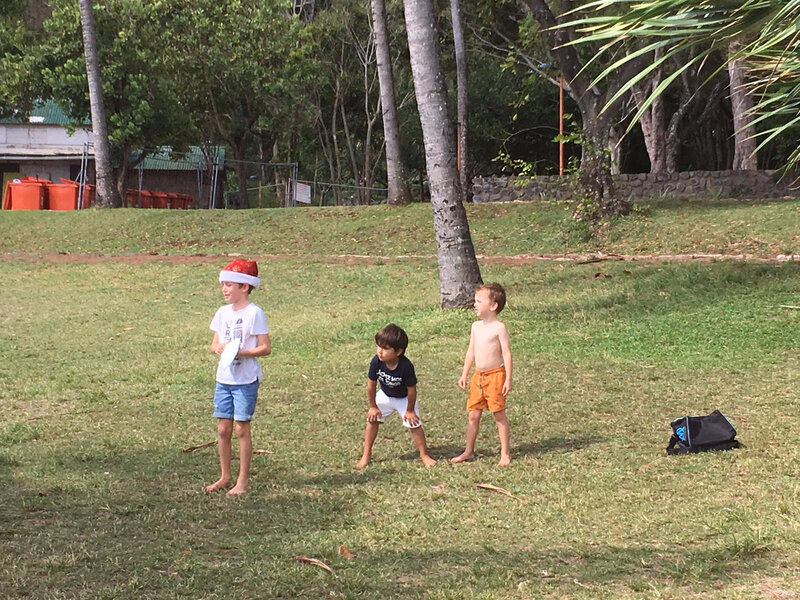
point(18, 87)
point(767, 30)
point(139, 86)
point(239, 63)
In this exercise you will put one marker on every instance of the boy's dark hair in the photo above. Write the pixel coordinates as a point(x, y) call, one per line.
point(392, 336)
point(496, 294)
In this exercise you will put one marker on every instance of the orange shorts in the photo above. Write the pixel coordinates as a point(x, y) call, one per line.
point(485, 390)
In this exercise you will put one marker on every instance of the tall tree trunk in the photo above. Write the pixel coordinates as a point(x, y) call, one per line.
point(653, 120)
point(398, 192)
point(595, 170)
point(458, 268)
point(744, 156)
point(238, 148)
point(462, 85)
point(280, 180)
point(106, 195)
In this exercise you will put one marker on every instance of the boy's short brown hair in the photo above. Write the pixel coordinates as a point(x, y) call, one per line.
point(392, 336)
point(496, 294)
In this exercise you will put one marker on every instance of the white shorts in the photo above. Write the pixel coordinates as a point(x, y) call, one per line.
point(388, 405)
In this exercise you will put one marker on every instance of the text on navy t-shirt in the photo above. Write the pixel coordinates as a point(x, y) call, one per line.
point(393, 382)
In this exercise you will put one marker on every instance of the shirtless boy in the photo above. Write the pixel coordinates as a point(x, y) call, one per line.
point(489, 349)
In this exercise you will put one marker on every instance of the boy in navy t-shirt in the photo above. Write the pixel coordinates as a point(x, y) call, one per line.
point(397, 392)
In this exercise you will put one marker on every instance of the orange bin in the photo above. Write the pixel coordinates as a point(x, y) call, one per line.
point(62, 196)
point(160, 200)
point(147, 199)
point(88, 192)
point(29, 193)
point(133, 199)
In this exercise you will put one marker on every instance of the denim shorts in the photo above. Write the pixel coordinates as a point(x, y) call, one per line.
point(237, 402)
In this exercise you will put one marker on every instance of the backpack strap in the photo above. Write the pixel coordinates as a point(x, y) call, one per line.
point(673, 440)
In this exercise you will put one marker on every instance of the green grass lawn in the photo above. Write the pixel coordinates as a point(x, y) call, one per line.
point(762, 227)
point(105, 376)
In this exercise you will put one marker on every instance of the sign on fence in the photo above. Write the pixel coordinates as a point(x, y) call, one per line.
point(302, 193)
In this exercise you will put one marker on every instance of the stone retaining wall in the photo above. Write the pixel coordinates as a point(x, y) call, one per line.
point(727, 184)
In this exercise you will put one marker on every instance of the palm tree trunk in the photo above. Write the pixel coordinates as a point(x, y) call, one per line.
point(462, 85)
point(744, 156)
point(395, 173)
point(106, 195)
point(458, 268)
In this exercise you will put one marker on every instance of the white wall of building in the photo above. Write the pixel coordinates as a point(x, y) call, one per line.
point(32, 135)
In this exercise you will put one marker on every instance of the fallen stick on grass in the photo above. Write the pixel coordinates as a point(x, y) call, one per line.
point(790, 306)
point(200, 447)
point(499, 490)
point(314, 561)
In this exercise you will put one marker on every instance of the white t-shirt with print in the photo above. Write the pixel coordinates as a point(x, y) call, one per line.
point(245, 325)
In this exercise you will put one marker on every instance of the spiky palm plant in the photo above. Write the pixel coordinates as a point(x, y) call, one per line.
point(768, 31)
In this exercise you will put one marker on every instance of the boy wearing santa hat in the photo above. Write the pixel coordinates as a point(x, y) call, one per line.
point(243, 324)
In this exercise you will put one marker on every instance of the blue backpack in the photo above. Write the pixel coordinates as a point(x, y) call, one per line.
point(700, 434)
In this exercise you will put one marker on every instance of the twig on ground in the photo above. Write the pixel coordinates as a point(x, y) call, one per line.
point(314, 561)
point(499, 490)
point(790, 306)
point(200, 447)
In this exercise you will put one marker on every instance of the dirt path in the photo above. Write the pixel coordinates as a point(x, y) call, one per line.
point(520, 259)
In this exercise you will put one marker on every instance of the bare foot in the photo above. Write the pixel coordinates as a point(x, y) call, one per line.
point(462, 457)
point(427, 460)
point(505, 460)
point(363, 462)
point(219, 484)
point(237, 490)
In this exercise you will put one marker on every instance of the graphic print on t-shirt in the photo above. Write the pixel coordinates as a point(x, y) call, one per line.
point(388, 380)
point(236, 334)
point(393, 382)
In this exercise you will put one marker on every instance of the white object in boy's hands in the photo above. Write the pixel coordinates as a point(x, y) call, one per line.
point(229, 353)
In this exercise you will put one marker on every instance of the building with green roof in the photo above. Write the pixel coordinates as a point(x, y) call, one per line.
point(40, 145)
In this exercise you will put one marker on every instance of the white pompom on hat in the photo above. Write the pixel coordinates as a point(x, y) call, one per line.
point(241, 271)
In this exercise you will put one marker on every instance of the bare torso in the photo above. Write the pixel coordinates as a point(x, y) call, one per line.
point(486, 340)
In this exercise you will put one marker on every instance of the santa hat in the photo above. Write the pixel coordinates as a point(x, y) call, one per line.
point(241, 271)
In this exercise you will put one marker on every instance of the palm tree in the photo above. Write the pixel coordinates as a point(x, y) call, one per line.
point(458, 267)
point(762, 34)
point(462, 86)
point(104, 173)
point(398, 193)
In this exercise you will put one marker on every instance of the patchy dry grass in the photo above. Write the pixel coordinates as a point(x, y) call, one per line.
point(105, 376)
point(761, 227)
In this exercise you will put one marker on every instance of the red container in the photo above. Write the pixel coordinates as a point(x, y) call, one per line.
point(187, 201)
point(160, 200)
point(88, 192)
point(147, 199)
point(62, 196)
point(174, 200)
point(7, 197)
point(29, 193)
point(89, 195)
point(132, 198)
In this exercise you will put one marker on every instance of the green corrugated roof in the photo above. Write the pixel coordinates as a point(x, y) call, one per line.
point(45, 112)
point(167, 160)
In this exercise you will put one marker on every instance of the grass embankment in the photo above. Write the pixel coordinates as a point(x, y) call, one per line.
point(105, 376)
point(763, 227)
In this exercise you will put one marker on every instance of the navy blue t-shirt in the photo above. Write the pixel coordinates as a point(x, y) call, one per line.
point(394, 382)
